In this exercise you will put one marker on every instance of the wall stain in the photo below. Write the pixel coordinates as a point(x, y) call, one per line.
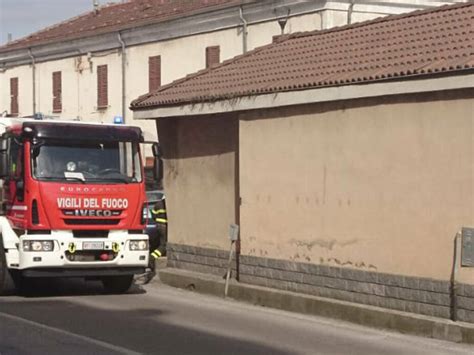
point(357, 264)
point(323, 243)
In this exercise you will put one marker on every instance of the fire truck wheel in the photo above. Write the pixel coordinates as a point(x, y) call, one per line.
point(117, 284)
point(7, 284)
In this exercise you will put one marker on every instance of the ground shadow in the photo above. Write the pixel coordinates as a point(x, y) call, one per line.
point(61, 287)
point(140, 330)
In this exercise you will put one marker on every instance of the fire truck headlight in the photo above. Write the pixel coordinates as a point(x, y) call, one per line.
point(47, 245)
point(38, 245)
point(139, 245)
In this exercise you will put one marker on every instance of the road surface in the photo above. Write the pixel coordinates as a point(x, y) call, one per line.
point(75, 317)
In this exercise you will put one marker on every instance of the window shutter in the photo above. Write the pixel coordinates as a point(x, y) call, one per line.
point(102, 87)
point(57, 92)
point(14, 96)
point(154, 73)
point(212, 56)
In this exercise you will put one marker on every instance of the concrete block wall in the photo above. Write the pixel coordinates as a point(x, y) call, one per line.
point(410, 294)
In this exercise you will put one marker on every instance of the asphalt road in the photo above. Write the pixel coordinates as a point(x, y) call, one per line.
point(75, 317)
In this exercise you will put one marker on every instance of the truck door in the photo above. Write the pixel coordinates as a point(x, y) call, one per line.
point(14, 184)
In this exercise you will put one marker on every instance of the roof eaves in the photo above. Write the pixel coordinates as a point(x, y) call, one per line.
point(428, 74)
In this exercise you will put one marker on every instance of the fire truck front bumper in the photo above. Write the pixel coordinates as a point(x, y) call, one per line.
point(60, 251)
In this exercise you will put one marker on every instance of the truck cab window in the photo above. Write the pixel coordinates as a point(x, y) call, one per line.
point(102, 162)
point(16, 160)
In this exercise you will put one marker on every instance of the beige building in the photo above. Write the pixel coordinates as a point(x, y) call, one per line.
point(346, 156)
point(90, 67)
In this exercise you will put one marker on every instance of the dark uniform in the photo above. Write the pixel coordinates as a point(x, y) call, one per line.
point(158, 244)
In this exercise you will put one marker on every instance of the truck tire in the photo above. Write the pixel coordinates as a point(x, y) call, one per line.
point(117, 284)
point(7, 281)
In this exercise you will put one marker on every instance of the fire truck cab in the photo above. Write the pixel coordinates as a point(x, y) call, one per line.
point(72, 201)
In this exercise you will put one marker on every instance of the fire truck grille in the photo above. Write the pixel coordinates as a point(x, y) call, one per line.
point(90, 233)
point(92, 222)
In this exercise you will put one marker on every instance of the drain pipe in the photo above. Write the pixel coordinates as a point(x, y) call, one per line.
point(124, 62)
point(349, 11)
point(244, 30)
point(33, 66)
point(454, 284)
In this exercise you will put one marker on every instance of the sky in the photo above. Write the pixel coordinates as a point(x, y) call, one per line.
point(23, 17)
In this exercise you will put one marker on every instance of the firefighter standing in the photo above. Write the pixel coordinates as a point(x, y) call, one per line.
point(158, 244)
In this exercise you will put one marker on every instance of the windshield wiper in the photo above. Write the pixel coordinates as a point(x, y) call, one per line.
point(109, 180)
point(60, 178)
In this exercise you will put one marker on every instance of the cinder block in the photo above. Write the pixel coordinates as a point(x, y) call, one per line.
point(292, 276)
point(465, 316)
point(440, 286)
point(413, 307)
point(249, 260)
point(409, 294)
point(391, 280)
point(378, 290)
point(466, 290)
point(466, 303)
point(247, 269)
point(315, 280)
point(411, 282)
point(427, 309)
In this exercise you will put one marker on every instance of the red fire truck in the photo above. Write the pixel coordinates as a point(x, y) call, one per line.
point(73, 195)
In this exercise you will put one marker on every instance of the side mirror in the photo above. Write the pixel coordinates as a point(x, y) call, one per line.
point(158, 169)
point(4, 171)
point(156, 149)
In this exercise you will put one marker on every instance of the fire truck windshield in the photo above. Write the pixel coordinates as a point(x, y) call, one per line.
point(86, 161)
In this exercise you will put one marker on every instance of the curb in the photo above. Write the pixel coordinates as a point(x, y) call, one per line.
point(375, 317)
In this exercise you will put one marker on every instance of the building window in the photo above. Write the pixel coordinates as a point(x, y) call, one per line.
point(154, 73)
point(213, 54)
point(102, 87)
point(57, 91)
point(14, 96)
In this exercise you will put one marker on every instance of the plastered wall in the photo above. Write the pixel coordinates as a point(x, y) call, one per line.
point(200, 179)
point(377, 185)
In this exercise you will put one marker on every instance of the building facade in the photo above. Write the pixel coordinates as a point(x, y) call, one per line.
point(92, 66)
point(346, 157)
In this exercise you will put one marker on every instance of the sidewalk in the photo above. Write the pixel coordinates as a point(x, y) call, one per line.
point(375, 317)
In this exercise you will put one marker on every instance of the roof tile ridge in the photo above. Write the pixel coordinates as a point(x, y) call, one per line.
point(61, 23)
point(202, 72)
point(45, 29)
point(380, 19)
point(145, 22)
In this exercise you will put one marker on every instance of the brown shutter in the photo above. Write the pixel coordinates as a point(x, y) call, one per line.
point(212, 55)
point(102, 87)
point(154, 73)
point(57, 91)
point(14, 96)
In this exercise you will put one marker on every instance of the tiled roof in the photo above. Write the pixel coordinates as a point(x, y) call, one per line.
point(395, 47)
point(114, 17)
